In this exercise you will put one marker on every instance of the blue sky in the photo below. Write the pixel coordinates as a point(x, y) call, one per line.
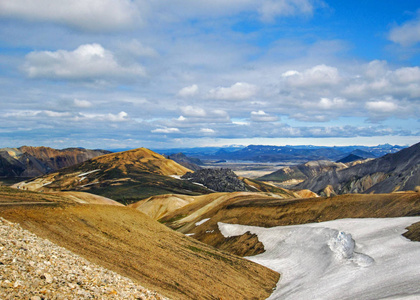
point(161, 74)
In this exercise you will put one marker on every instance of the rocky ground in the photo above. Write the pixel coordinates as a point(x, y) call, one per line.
point(34, 268)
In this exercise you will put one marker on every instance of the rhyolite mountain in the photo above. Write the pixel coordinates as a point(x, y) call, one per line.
point(36, 161)
point(295, 174)
point(124, 176)
point(390, 173)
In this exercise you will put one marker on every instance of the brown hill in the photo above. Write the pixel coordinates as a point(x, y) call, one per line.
point(190, 216)
point(130, 243)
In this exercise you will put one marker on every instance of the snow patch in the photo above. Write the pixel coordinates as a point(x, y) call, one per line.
point(342, 259)
point(84, 174)
point(201, 222)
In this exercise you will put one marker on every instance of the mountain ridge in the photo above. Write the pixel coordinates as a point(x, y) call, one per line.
point(398, 171)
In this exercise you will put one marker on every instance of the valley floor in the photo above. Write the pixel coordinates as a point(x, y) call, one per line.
point(340, 259)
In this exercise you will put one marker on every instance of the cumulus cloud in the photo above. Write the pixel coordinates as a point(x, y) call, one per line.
point(82, 103)
point(166, 130)
point(379, 80)
point(238, 91)
point(188, 91)
point(207, 131)
point(191, 111)
point(261, 116)
point(92, 15)
point(407, 34)
point(336, 103)
point(408, 75)
point(381, 106)
point(319, 75)
point(89, 61)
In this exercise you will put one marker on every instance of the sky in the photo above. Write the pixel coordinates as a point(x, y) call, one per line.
point(185, 73)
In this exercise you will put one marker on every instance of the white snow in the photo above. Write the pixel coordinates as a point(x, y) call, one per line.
point(201, 222)
point(84, 174)
point(341, 259)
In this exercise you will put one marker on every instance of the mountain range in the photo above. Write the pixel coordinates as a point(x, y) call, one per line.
point(137, 174)
point(390, 173)
point(265, 153)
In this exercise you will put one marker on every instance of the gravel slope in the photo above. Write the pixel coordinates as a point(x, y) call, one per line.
point(35, 268)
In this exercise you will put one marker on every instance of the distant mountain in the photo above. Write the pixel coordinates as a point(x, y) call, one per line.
point(188, 162)
point(304, 153)
point(37, 161)
point(393, 172)
point(124, 176)
point(299, 173)
point(350, 158)
point(367, 154)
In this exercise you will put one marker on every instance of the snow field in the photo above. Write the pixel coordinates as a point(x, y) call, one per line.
point(340, 259)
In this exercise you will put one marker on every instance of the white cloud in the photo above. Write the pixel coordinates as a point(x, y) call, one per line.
point(336, 103)
point(82, 103)
point(376, 68)
point(91, 15)
point(191, 111)
point(407, 34)
point(261, 116)
point(381, 106)
point(120, 117)
point(166, 130)
point(408, 75)
point(188, 91)
point(90, 61)
point(56, 114)
point(238, 91)
point(319, 75)
point(207, 130)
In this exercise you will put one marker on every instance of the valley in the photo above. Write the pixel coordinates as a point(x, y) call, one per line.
point(230, 229)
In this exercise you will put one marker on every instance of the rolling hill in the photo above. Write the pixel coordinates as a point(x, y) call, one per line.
point(130, 243)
